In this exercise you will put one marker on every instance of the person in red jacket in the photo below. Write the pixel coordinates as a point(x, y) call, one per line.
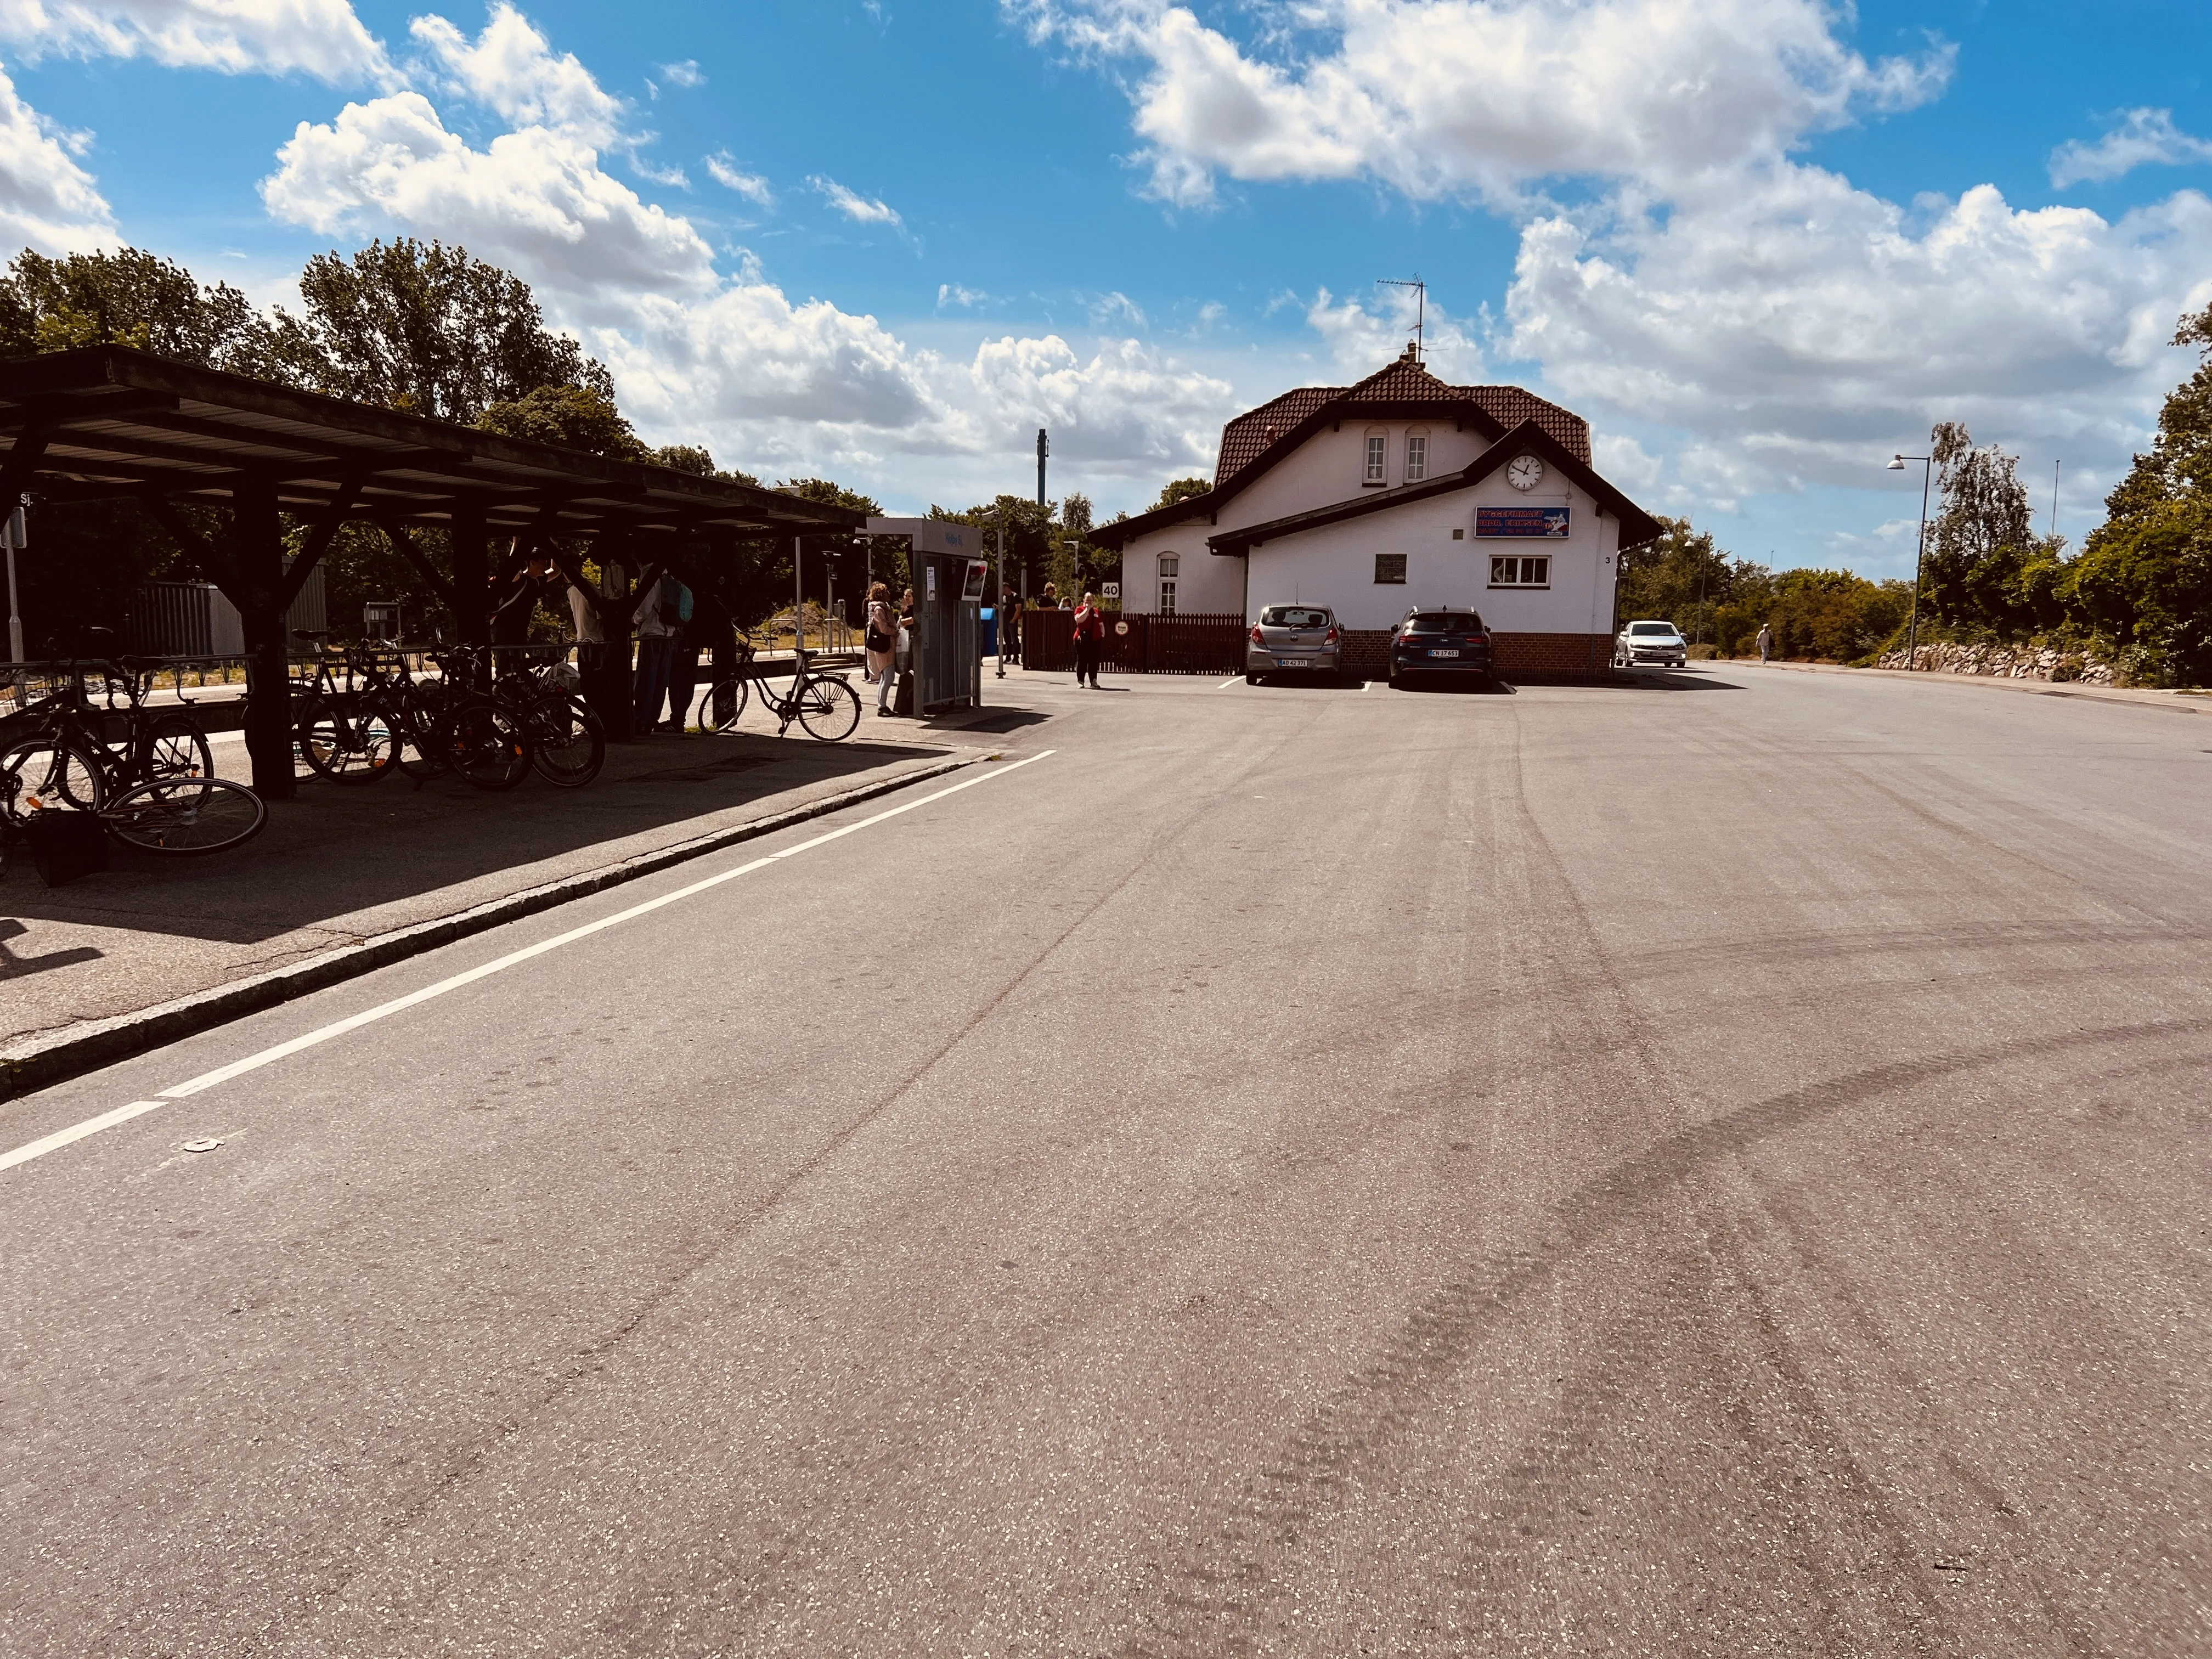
point(1090, 639)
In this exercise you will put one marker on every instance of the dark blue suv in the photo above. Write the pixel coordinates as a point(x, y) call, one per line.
point(1431, 644)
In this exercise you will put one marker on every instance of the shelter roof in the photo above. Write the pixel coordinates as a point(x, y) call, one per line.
point(118, 422)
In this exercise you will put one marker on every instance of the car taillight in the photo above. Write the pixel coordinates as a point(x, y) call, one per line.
point(1257, 637)
point(1333, 635)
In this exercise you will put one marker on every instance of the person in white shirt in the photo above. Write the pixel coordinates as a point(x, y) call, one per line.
point(656, 649)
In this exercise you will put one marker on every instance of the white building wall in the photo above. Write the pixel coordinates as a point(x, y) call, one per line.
point(1331, 466)
point(1334, 565)
point(1207, 583)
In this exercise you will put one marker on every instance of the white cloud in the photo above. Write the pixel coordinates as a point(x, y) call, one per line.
point(686, 74)
point(2148, 137)
point(775, 386)
point(860, 208)
point(1361, 341)
point(809, 387)
point(1482, 97)
point(951, 294)
point(511, 68)
point(1802, 328)
point(47, 201)
point(1116, 306)
point(722, 167)
point(536, 199)
point(321, 38)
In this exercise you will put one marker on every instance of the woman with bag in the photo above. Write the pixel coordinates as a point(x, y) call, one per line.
point(882, 641)
point(1090, 639)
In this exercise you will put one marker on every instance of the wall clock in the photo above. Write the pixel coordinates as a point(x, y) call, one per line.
point(1525, 472)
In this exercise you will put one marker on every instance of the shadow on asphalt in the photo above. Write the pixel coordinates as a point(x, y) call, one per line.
point(336, 850)
point(1661, 679)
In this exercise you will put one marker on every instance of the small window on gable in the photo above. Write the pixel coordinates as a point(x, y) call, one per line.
point(1417, 456)
point(1170, 564)
point(1390, 568)
point(1378, 453)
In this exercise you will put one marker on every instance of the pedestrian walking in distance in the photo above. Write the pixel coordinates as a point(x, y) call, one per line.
point(1765, 641)
point(1090, 639)
point(882, 641)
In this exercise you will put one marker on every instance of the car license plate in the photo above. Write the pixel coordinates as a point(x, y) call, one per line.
point(1294, 662)
point(1443, 653)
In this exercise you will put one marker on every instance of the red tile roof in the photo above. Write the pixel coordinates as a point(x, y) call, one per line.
point(1245, 439)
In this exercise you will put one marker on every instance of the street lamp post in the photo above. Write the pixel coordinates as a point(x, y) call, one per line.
point(1920, 554)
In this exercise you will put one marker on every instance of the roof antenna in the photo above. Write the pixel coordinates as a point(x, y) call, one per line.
point(1421, 304)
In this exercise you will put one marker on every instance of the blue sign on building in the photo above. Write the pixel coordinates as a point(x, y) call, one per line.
point(1528, 523)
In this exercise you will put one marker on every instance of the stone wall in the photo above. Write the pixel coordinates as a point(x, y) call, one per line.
point(2009, 662)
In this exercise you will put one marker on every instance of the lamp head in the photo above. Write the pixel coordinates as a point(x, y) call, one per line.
point(1896, 464)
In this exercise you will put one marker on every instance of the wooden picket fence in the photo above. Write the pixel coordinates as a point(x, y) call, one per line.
point(1137, 643)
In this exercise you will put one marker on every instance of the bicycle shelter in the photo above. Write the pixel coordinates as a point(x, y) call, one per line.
point(107, 422)
point(949, 572)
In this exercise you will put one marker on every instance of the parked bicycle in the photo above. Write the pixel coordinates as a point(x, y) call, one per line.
point(824, 704)
point(348, 729)
point(78, 754)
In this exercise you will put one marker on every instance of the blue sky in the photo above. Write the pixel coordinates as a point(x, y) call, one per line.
point(1760, 243)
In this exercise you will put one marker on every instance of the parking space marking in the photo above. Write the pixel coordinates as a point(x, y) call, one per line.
point(1226, 684)
point(268, 1056)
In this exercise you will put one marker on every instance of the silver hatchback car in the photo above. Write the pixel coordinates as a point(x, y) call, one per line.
point(1292, 638)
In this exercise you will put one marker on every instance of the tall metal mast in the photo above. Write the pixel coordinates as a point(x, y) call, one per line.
point(1421, 305)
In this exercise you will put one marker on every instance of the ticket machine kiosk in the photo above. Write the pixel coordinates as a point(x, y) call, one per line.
point(949, 573)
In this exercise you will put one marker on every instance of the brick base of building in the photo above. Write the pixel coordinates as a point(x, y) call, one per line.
point(1366, 652)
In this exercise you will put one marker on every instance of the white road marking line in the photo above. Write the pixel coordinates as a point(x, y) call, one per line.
point(268, 1056)
point(1226, 684)
point(91, 1126)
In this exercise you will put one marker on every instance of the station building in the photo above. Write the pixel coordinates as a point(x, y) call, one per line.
point(1396, 494)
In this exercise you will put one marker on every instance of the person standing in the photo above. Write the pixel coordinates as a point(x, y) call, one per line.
point(656, 615)
point(1090, 639)
point(689, 636)
point(882, 641)
point(1766, 642)
point(1010, 628)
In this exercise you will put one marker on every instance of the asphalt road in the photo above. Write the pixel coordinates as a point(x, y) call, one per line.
point(1719, 1167)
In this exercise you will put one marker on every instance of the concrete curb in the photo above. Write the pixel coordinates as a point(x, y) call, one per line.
point(44, 1061)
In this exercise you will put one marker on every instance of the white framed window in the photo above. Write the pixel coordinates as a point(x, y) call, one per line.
point(1518, 571)
point(1171, 578)
point(1417, 456)
point(1378, 457)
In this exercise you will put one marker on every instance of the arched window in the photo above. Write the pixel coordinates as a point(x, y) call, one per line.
point(1171, 577)
point(1417, 454)
point(1379, 456)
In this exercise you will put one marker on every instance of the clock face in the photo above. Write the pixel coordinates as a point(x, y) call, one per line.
point(1526, 473)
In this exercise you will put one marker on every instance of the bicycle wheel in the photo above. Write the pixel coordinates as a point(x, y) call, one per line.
point(45, 776)
point(488, 748)
point(828, 708)
point(423, 748)
point(179, 748)
point(730, 694)
point(355, 744)
point(567, 744)
point(182, 817)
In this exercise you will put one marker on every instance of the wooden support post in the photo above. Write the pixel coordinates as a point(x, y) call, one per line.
point(472, 595)
point(258, 541)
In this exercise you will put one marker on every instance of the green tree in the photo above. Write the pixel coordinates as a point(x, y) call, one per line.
point(1682, 577)
point(128, 298)
point(1987, 570)
point(426, 329)
point(2143, 583)
point(1181, 490)
point(578, 416)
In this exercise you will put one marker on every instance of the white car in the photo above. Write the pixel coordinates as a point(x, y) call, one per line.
point(1652, 644)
